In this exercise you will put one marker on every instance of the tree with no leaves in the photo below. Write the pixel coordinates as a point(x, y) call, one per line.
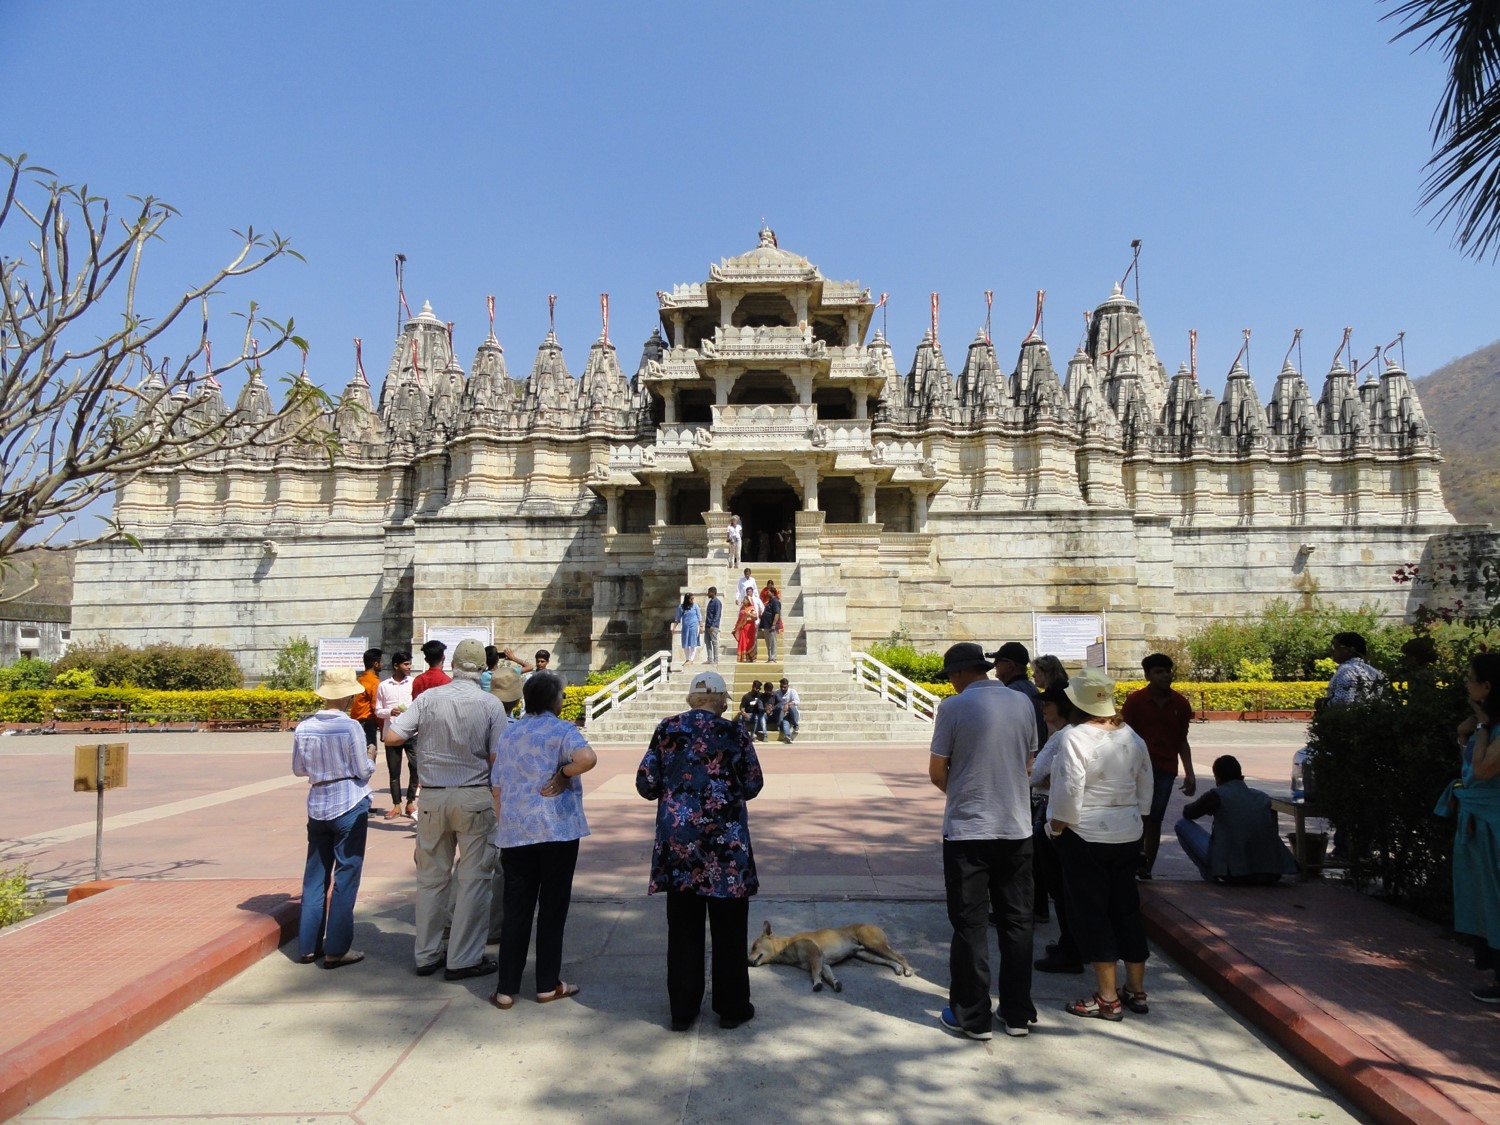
point(1463, 176)
point(86, 403)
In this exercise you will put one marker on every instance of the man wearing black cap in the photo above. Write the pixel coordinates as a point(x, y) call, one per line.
point(1011, 660)
point(982, 740)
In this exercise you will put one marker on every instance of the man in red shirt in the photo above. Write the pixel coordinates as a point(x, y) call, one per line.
point(1161, 717)
point(432, 652)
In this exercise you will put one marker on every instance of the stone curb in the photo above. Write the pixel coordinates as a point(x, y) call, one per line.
point(1343, 1058)
point(77, 1043)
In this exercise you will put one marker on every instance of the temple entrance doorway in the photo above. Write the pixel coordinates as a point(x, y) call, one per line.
point(768, 509)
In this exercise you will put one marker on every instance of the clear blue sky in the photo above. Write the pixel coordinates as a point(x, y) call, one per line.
point(1269, 155)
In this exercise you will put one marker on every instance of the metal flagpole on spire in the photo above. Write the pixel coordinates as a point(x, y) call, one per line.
point(450, 336)
point(1244, 349)
point(1036, 321)
point(359, 361)
point(989, 308)
point(1134, 268)
point(1296, 339)
point(934, 320)
point(490, 304)
point(208, 362)
point(552, 314)
point(402, 308)
point(1193, 353)
point(1344, 343)
point(1400, 339)
point(604, 316)
point(884, 313)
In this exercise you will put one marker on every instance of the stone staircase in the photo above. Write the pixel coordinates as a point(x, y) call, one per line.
point(834, 708)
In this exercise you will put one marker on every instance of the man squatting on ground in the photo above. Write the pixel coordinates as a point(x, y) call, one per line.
point(1246, 843)
point(1162, 718)
point(458, 726)
point(329, 749)
point(982, 742)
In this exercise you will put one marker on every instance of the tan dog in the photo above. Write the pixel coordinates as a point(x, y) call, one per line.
point(816, 950)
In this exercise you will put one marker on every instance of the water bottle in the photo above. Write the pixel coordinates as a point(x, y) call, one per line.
point(1300, 774)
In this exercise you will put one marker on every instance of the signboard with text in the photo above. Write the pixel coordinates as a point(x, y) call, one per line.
point(86, 766)
point(450, 635)
point(342, 652)
point(1068, 636)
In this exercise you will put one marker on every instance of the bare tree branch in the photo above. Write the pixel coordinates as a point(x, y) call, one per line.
point(87, 408)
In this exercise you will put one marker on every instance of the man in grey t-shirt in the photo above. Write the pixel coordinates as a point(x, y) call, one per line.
point(982, 741)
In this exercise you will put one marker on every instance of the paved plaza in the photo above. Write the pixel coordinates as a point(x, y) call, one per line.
point(842, 833)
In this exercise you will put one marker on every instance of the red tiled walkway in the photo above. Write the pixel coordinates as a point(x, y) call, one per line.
point(1375, 1000)
point(82, 982)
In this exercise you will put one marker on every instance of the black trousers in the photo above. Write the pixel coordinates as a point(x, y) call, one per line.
point(981, 876)
point(1104, 903)
point(729, 922)
point(1052, 873)
point(393, 756)
point(539, 884)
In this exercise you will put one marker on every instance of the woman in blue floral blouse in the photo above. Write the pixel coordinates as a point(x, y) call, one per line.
point(701, 768)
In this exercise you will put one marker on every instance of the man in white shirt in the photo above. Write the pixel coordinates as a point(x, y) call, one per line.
point(392, 697)
point(788, 711)
point(746, 586)
point(734, 535)
point(982, 739)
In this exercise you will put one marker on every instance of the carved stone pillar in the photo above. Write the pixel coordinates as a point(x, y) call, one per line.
point(851, 327)
point(679, 330)
point(861, 405)
point(611, 510)
point(867, 500)
point(669, 404)
point(663, 495)
point(919, 509)
point(716, 477)
point(728, 302)
point(807, 477)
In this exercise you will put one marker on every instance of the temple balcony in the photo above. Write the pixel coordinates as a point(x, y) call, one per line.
point(766, 428)
point(763, 344)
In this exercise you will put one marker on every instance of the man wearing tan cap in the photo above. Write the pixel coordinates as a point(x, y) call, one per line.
point(329, 749)
point(459, 724)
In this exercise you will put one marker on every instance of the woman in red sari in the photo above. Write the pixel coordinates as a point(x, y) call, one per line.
point(744, 630)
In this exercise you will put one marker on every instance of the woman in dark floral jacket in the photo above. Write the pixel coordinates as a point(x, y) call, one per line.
point(701, 768)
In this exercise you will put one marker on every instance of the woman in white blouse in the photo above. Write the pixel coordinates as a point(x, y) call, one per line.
point(1101, 788)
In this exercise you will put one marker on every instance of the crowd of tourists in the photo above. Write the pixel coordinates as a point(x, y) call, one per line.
point(1052, 797)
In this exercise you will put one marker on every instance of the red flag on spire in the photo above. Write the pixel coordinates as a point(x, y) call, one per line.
point(604, 315)
point(208, 364)
point(1193, 353)
point(450, 335)
point(934, 320)
point(490, 303)
point(989, 308)
point(401, 284)
point(880, 304)
point(359, 362)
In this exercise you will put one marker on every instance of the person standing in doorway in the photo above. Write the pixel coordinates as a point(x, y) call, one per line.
point(713, 617)
point(770, 621)
point(734, 535)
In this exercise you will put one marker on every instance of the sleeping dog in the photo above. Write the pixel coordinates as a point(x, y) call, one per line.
point(816, 950)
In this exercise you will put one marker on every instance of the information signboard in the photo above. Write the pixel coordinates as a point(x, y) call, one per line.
point(342, 652)
point(1067, 636)
point(86, 764)
point(450, 635)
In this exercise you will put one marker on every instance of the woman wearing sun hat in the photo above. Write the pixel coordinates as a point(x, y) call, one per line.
point(1101, 788)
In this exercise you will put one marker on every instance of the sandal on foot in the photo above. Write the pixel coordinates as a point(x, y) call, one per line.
point(561, 992)
point(502, 1001)
point(392, 813)
point(1135, 1001)
point(1098, 1008)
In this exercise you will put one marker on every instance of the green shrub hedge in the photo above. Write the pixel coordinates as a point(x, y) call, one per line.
point(1245, 696)
point(201, 706)
point(158, 667)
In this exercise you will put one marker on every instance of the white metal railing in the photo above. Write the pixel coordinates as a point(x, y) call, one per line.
point(645, 676)
point(893, 687)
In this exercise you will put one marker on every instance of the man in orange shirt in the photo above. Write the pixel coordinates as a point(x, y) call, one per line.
point(362, 710)
point(1161, 717)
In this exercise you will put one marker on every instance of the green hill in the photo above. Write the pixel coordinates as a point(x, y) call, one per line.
point(1462, 401)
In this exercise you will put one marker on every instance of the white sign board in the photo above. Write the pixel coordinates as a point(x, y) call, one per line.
point(450, 635)
point(342, 652)
point(1066, 636)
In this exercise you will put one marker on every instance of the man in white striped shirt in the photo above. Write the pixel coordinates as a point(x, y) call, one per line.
point(329, 749)
point(460, 725)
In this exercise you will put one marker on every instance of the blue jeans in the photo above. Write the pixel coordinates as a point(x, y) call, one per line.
point(791, 721)
point(334, 847)
point(1194, 840)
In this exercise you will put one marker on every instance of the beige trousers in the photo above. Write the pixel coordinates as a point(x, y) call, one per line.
point(449, 820)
